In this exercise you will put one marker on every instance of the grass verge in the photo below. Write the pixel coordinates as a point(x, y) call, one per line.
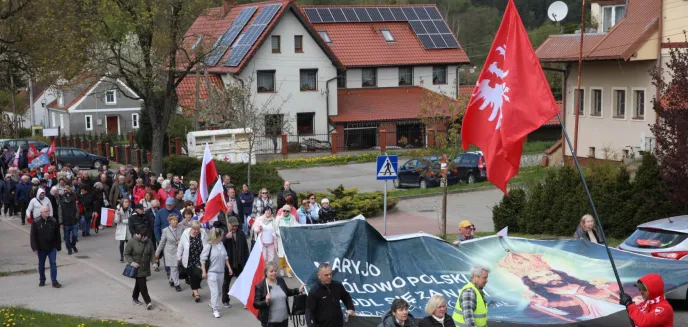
point(612, 242)
point(15, 317)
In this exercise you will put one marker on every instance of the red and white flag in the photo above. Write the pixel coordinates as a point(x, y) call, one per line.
point(208, 176)
point(107, 216)
point(244, 288)
point(32, 153)
point(216, 202)
point(51, 150)
point(511, 99)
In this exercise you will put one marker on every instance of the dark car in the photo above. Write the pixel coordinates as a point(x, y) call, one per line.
point(79, 158)
point(416, 173)
point(24, 143)
point(470, 167)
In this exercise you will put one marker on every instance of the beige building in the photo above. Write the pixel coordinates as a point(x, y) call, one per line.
point(615, 113)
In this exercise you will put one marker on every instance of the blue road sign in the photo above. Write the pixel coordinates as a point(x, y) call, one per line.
point(387, 168)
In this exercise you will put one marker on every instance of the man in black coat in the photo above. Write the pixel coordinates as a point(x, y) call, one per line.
point(138, 219)
point(322, 305)
point(45, 242)
point(234, 204)
point(69, 219)
point(282, 195)
point(237, 248)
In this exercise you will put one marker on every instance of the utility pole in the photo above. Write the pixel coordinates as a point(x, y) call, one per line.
point(31, 113)
point(14, 105)
point(443, 168)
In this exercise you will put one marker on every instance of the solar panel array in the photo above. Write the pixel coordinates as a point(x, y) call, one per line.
point(251, 35)
point(426, 22)
point(222, 44)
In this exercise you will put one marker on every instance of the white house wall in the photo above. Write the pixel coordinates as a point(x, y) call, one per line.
point(287, 66)
point(389, 77)
point(610, 136)
point(41, 112)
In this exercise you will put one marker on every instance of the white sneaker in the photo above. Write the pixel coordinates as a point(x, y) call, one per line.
point(216, 314)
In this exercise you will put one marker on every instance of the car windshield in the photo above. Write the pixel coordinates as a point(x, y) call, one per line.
point(650, 238)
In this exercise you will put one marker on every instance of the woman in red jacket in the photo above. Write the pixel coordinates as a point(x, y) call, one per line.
point(652, 310)
point(139, 191)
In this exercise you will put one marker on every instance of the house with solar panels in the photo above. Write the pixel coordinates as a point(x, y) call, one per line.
point(350, 69)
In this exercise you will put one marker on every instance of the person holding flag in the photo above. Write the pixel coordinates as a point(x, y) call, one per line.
point(272, 298)
point(208, 175)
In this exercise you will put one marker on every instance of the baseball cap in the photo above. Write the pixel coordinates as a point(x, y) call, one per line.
point(169, 201)
point(465, 223)
point(138, 206)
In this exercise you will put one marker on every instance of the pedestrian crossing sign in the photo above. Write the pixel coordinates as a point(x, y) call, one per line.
point(387, 167)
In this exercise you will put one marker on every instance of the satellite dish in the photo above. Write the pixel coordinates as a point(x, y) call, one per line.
point(557, 11)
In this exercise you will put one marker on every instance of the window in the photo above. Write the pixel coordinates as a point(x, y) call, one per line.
point(298, 43)
point(405, 75)
point(619, 103)
point(580, 102)
point(591, 152)
point(266, 81)
point(369, 77)
point(304, 123)
point(52, 119)
point(325, 36)
point(273, 125)
point(275, 44)
point(439, 75)
point(309, 79)
point(111, 97)
point(611, 16)
point(387, 35)
point(596, 103)
point(135, 120)
point(60, 98)
point(341, 79)
point(639, 104)
point(88, 122)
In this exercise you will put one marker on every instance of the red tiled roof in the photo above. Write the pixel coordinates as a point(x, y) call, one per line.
point(630, 33)
point(379, 104)
point(555, 120)
point(84, 82)
point(361, 44)
point(466, 89)
point(214, 23)
point(186, 90)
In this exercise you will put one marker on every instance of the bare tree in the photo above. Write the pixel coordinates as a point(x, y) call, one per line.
point(236, 106)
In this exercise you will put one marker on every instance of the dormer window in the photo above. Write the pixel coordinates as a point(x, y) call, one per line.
point(611, 15)
point(387, 35)
point(325, 37)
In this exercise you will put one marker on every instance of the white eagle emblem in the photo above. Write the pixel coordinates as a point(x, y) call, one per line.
point(494, 96)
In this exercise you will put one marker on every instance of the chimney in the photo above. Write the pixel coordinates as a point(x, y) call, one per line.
point(227, 6)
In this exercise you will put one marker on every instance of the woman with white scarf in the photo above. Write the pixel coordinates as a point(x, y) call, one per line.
point(124, 211)
point(264, 229)
point(286, 218)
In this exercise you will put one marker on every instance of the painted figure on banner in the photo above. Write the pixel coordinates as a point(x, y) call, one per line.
point(558, 294)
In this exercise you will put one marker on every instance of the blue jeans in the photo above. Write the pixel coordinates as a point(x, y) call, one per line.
point(51, 255)
point(70, 236)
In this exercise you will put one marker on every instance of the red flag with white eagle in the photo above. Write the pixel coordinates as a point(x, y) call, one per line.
point(511, 99)
point(208, 175)
point(244, 288)
point(216, 202)
point(32, 153)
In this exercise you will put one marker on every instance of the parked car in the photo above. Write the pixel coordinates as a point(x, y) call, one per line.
point(79, 158)
point(470, 167)
point(24, 143)
point(312, 144)
point(415, 173)
point(663, 238)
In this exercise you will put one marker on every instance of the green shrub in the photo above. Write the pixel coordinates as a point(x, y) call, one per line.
point(350, 203)
point(262, 175)
point(508, 211)
point(181, 165)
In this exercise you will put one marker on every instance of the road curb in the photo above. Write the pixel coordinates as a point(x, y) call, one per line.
point(429, 195)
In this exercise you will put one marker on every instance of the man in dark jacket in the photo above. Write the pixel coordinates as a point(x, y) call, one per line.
point(322, 305)
point(45, 242)
point(68, 217)
point(281, 196)
point(138, 219)
point(7, 189)
point(86, 200)
point(237, 248)
point(236, 207)
point(21, 197)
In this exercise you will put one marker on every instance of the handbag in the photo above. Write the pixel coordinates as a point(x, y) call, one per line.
point(298, 310)
point(131, 271)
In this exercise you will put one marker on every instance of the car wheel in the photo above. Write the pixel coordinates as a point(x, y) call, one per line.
point(97, 164)
point(396, 183)
point(422, 183)
point(470, 179)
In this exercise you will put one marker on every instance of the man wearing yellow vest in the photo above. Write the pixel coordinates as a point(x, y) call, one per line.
point(471, 307)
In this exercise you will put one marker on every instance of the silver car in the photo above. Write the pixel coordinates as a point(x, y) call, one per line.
point(663, 238)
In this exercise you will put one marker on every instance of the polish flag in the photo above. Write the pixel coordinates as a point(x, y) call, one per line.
point(208, 175)
point(216, 202)
point(107, 216)
point(244, 288)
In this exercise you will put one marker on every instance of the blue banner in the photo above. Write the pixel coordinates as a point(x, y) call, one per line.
point(531, 281)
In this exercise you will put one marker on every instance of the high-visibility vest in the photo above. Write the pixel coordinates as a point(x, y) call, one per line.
point(480, 313)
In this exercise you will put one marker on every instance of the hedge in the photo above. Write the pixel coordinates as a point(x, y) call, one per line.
point(556, 205)
point(262, 175)
point(350, 203)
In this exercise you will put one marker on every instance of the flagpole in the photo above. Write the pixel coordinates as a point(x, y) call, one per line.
point(594, 212)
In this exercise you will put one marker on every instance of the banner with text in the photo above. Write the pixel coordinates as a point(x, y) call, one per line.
point(531, 281)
